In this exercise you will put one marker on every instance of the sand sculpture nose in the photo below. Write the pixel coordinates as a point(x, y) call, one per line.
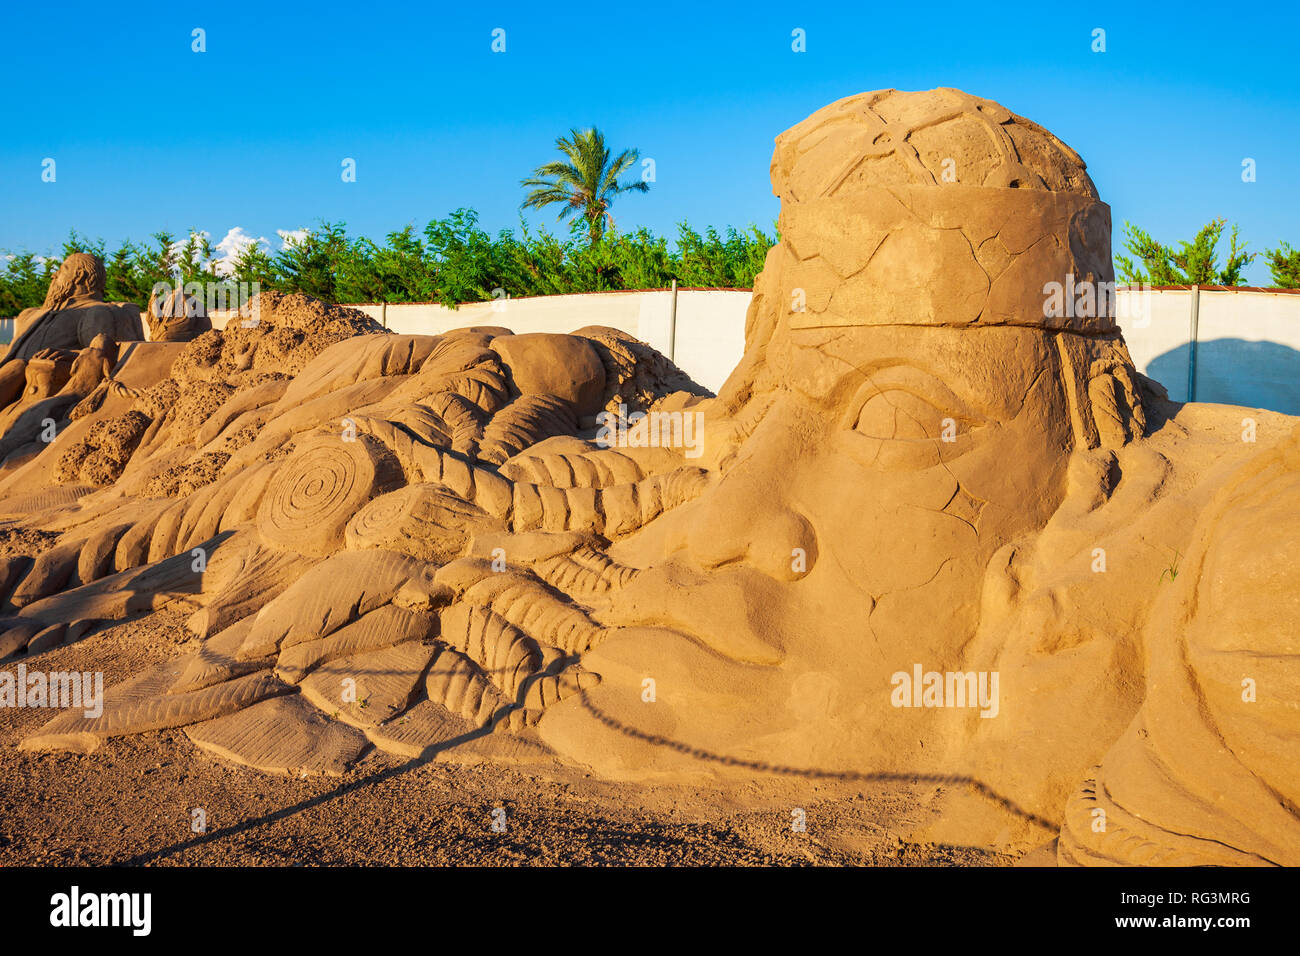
point(773, 537)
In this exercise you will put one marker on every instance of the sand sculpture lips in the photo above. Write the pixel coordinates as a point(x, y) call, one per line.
point(402, 542)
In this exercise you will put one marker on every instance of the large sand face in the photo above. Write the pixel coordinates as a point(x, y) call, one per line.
point(861, 548)
point(905, 409)
point(892, 436)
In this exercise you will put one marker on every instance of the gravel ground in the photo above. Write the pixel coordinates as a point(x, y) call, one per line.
point(132, 802)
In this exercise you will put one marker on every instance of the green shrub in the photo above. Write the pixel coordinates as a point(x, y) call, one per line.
point(450, 261)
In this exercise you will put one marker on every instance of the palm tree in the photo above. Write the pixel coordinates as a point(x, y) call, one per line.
point(585, 181)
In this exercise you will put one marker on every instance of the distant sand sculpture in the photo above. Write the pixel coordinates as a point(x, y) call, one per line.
point(60, 353)
point(916, 469)
point(74, 312)
point(176, 317)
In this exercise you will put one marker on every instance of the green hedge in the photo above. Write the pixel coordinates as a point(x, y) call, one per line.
point(450, 261)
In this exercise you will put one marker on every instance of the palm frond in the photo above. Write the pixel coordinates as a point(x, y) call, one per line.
point(585, 181)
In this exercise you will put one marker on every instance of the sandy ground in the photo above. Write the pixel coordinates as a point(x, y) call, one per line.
point(131, 802)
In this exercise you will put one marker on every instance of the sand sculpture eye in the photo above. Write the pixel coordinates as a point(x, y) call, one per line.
point(907, 404)
point(897, 415)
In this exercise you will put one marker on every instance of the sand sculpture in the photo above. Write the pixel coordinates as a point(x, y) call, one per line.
point(59, 355)
point(74, 313)
point(176, 317)
point(919, 467)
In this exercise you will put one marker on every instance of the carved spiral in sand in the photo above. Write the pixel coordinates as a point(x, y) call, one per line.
point(426, 521)
point(375, 524)
point(320, 487)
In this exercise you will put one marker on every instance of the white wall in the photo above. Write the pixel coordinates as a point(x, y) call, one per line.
point(710, 334)
point(1247, 348)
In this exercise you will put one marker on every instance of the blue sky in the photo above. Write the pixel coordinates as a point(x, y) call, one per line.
point(149, 135)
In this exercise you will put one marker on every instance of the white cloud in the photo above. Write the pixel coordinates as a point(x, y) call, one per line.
point(233, 246)
point(178, 246)
point(180, 243)
point(37, 261)
point(291, 237)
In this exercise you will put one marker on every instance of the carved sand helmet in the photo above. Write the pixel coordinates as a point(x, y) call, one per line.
point(937, 208)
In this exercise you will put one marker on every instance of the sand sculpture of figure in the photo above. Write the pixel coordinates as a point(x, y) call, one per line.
point(73, 315)
point(177, 318)
point(74, 312)
point(926, 463)
point(56, 382)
